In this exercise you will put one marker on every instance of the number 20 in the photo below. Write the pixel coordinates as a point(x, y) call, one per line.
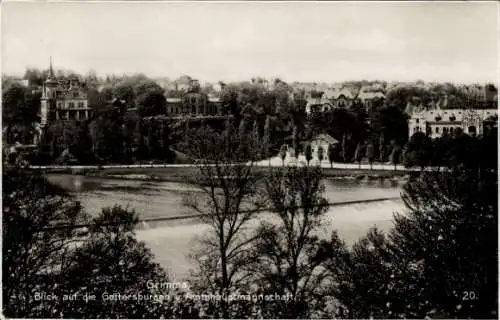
point(469, 295)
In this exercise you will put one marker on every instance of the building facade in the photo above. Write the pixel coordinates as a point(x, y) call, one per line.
point(63, 100)
point(194, 103)
point(438, 122)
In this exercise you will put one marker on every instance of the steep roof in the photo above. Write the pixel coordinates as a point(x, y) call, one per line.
point(327, 138)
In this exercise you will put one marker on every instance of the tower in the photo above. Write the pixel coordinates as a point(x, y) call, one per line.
point(48, 99)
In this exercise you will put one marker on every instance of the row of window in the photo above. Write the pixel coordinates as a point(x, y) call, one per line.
point(211, 109)
point(446, 130)
point(71, 105)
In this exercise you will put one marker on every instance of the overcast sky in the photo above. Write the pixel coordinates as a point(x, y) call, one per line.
point(455, 41)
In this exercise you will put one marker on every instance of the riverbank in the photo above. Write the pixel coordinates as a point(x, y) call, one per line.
point(179, 173)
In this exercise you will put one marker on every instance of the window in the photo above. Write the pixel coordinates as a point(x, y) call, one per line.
point(75, 94)
point(415, 129)
point(417, 121)
point(193, 109)
point(80, 105)
point(437, 129)
point(445, 130)
point(59, 105)
point(71, 105)
point(472, 129)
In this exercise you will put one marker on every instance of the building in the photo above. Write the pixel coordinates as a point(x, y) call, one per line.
point(437, 122)
point(63, 100)
point(194, 102)
point(324, 141)
point(371, 99)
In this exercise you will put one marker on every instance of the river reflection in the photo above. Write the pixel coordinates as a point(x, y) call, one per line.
point(172, 241)
point(153, 199)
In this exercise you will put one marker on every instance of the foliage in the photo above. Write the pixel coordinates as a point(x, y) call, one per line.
point(358, 154)
point(46, 253)
point(331, 153)
point(321, 153)
point(418, 151)
point(308, 153)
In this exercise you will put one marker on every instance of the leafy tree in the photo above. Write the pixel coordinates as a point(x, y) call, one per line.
point(267, 139)
point(361, 276)
point(358, 155)
point(295, 142)
point(451, 231)
point(395, 156)
point(283, 154)
point(113, 261)
point(19, 109)
point(47, 252)
point(308, 153)
point(321, 154)
point(370, 154)
point(418, 151)
point(331, 153)
point(381, 148)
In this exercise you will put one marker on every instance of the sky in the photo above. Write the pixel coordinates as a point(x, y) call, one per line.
point(295, 41)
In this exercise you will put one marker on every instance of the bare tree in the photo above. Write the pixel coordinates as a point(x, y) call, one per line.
point(287, 258)
point(230, 196)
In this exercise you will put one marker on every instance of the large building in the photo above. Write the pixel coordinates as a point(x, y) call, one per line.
point(194, 102)
point(63, 100)
point(343, 98)
point(438, 122)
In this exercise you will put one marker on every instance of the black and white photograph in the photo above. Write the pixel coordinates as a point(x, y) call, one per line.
point(249, 159)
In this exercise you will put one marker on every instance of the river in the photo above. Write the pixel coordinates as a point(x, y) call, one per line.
point(171, 241)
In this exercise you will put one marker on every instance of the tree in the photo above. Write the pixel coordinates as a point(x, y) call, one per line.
point(331, 153)
point(344, 147)
point(418, 151)
point(295, 142)
point(267, 139)
point(113, 261)
point(19, 109)
point(451, 231)
point(358, 154)
point(395, 156)
point(283, 154)
point(370, 154)
point(308, 153)
point(229, 198)
point(321, 154)
point(361, 276)
point(46, 252)
point(381, 148)
point(286, 253)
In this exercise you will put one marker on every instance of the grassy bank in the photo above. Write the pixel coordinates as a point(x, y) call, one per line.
point(179, 174)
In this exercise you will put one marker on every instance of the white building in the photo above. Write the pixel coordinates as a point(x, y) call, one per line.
point(437, 122)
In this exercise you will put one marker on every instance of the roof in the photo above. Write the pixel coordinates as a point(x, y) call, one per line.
point(458, 114)
point(370, 95)
point(326, 137)
point(173, 100)
point(314, 101)
point(344, 92)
